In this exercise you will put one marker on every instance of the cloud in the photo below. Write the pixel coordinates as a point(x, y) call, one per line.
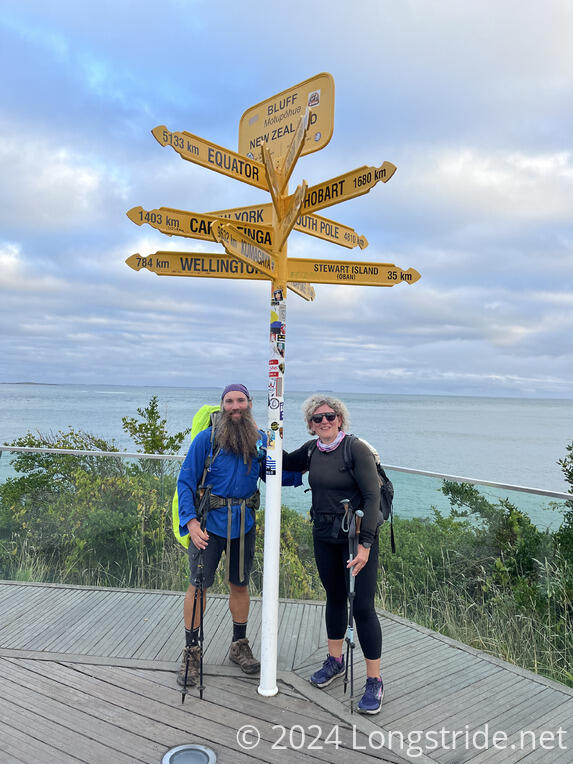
point(469, 101)
point(53, 187)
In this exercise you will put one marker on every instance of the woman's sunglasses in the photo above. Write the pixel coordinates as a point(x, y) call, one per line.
point(317, 418)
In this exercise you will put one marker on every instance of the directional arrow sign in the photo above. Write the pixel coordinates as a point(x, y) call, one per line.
point(214, 157)
point(291, 213)
point(255, 213)
point(303, 290)
point(274, 122)
point(341, 272)
point(294, 149)
point(347, 186)
point(238, 245)
point(330, 230)
point(273, 180)
point(200, 264)
point(193, 225)
point(220, 266)
point(315, 225)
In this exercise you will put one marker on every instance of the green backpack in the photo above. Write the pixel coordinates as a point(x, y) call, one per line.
point(205, 417)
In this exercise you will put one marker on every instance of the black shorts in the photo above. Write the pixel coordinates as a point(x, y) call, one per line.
point(212, 556)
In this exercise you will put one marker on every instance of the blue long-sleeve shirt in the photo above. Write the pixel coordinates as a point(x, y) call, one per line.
point(229, 477)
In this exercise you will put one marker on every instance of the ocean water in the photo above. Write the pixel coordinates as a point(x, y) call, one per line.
point(509, 440)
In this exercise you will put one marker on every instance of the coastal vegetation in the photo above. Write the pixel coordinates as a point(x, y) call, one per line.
point(482, 573)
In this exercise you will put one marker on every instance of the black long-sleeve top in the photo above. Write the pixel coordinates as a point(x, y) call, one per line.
point(331, 482)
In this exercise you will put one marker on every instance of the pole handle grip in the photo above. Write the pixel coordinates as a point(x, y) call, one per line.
point(359, 516)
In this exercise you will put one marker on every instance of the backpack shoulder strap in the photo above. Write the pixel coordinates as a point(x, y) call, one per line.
point(212, 452)
point(310, 452)
point(347, 453)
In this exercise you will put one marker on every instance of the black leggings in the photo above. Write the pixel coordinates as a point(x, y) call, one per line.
point(331, 560)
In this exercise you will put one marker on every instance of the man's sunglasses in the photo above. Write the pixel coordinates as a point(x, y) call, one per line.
point(317, 418)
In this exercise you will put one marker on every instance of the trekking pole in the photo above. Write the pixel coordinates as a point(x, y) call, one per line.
point(202, 511)
point(353, 525)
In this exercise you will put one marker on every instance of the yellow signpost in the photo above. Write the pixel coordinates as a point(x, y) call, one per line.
point(239, 245)
point(194, 225)
point(300, 273)
point(315, 225)
point(347, 186)
point(343, 272)
point(219, 266)
point(290, 209)
point(294, 150)
point(272, 135)
point(274, 122)
point(201, 264)
point(207, 154)
point(330, 230)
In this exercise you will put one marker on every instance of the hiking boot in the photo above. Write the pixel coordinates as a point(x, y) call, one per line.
point(194, 654)
point(331, 670)
point(241, 654)
point(371, 701)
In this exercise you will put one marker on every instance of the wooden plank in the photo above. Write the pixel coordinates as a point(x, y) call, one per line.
point(513, 719)
point(17, 615)
point(118, 624)
point(219, 633)
point(254, 632)
point(308, 635)
point(139, 618)
point(426, 654)
point(288, 631)
point(103, 725)
point(127, 625)
point(404, 709)
point(461, 702)
point(559, 716)
point(76, 622)
point(213, 719)
point(158, 629)
point(18, 746)
point(45, 719)
point(49, 613)
point(420, 676)
point(453, 682)
point(174, 641)
point(87, 637)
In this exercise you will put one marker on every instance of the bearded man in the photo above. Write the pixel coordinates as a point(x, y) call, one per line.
point(230, 460)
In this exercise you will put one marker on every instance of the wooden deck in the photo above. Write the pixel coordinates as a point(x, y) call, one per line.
point(88, 675)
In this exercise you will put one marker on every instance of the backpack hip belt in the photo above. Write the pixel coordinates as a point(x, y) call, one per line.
point(253, 501)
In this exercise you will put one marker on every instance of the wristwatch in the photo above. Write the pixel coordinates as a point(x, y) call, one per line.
point(366, 544)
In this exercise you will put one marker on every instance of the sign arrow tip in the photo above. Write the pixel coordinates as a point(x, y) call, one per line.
point(134, 261)
point(134, 215)
point(158, 134)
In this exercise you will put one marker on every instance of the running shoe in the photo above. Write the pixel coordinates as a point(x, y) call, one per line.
point(331, 669)
point(371, 701)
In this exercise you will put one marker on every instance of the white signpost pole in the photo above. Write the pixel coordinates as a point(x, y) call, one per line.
point(271, 561)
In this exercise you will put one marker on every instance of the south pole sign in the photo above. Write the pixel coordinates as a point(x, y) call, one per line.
point(273, 134)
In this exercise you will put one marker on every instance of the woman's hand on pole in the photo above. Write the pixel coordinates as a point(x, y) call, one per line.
point(199, 538)
point(359, 561)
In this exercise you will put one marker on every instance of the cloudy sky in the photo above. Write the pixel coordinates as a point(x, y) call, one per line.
point(471, 100)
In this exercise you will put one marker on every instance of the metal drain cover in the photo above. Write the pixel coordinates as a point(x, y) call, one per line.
point(189, 754)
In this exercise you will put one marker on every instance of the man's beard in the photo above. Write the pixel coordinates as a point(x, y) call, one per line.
point(239, 436)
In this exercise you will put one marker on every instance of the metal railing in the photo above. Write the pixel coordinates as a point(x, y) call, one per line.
point(395, 468)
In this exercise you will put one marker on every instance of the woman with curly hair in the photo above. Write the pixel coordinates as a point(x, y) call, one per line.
point(332, 483)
